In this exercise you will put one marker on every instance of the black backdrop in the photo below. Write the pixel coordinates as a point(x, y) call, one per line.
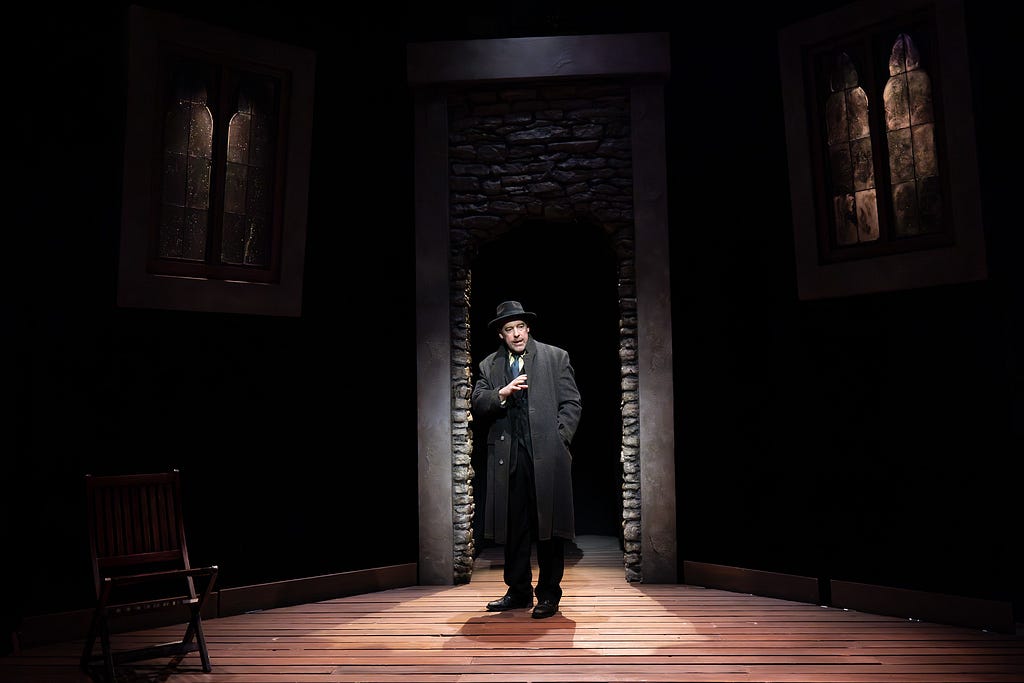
point(869, 438)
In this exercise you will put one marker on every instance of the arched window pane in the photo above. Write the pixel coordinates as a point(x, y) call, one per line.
point(913, 162)
point(848, 130)
point(248, 193)
point(188, 158)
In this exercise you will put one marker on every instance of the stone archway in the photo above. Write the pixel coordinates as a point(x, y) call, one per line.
point(555, 128)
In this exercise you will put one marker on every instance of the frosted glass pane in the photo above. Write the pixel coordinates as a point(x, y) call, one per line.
point(259, 199)
point(863, 164)
point(262, 149)
point(913, 160)
point(857, 114)
point(186, 159)
point(844, 208)
point(850, 156)
point(172, 227)
point(925, 162)
point(234, 188)
point(919, 87)
point(901, 156)
point(233, 239)
point(238, 138)
point(256, 250)
point(175, 178)
point(835, 118)
point(249, 187)
point(245, 240)
point(200, 141)
point(841, 166)
point(867, 216)
point(198, 184)
point(194, 242)
point(904, 204)
point(897, 105)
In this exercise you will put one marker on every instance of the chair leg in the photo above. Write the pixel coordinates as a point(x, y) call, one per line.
point(108, 655)
point(196, 626)
point(90, 641)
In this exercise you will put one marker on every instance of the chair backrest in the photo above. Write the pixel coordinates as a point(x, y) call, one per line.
point(135, 524)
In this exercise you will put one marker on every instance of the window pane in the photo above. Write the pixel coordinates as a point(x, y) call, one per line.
point(919, 93)
point(867, 216)
point(851, 162)
point(238, 138)
point(897, 105)
point(901, 155)
point(262, 152)
point(257, 239)
point(913, 162)
point(196, 222)
point(175, 178)
point(233, 245)
point(198, 182)
point(234, 189)
point(187, 159)
point(904, 204)
point(857, 114)
point(258, 199)
point(172, 231)
point(249, 188)
point(842, 168)
point(863, 165)
point(923, 139)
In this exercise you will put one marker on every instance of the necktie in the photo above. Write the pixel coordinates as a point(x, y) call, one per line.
point(516, 363)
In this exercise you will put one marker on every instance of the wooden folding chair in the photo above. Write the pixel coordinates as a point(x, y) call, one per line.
point(140, 566)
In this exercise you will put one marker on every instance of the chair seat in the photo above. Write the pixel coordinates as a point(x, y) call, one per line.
point(145, 606)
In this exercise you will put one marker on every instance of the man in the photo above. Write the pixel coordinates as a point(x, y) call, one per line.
point(527, 390)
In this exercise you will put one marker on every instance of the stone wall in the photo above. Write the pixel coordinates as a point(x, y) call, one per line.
point(553, 153)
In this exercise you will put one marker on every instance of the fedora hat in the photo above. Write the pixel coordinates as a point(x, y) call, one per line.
point(511, 310)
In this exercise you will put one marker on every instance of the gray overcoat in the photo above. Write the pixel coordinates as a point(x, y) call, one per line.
point(555, 408)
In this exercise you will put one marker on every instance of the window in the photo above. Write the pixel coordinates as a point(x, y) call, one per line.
point(216, 169)
point(876, 144)
point(879, 129)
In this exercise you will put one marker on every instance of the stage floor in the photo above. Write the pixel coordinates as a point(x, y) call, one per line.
point(607, 630)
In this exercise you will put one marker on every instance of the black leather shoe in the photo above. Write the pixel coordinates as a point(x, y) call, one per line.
point(508, 602)
point(544, 609)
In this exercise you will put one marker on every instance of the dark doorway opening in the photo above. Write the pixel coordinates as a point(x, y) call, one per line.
point(567, 274)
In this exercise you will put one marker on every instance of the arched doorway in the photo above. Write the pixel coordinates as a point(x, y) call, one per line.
point(495, 142)
point(566, 273)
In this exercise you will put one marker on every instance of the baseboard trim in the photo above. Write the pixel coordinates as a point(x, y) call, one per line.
point(754, 581)
point(938, 608)
point(313, 589)
point(73, 625)
point(987, 615)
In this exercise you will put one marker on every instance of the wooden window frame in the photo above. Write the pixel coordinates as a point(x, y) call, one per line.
point(226, 73)
point(958, 254)
point(154, 37)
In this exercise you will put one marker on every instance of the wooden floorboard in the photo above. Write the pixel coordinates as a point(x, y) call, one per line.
point(607, 630)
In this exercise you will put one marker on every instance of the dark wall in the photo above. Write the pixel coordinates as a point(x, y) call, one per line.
point(868, 438)
point(295, 436)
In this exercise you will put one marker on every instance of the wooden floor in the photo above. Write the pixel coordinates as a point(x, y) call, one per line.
point(607, 630)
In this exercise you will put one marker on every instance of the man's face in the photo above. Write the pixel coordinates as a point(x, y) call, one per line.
point(515, 334)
